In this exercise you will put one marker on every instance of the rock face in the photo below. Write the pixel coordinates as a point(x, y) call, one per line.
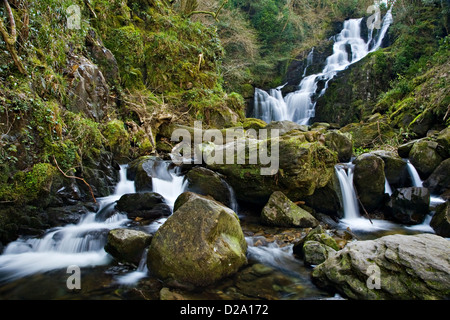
point(127, 245)
point(201, 243)
point(439, 181)
point(305, 165)
point(369, 180)
point(143, 169)
point(89, 92)
point(282, 212)
point(341, 143)
point(394, 167)
point(410, 205)
point(441, 220)
point(410, 267)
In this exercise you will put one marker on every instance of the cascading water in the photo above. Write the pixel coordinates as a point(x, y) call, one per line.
point(416, 181)
point(299, 106)
point(74, 244)
point(349, 200)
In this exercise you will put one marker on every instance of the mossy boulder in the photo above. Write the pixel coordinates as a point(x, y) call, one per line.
point(366, 135)
point(117, 138)
point(394, 167)
point(340, 143)
point(302, 165)
point(286, 126)
point(127, 245)
point(410, 267)
point(425, 157)
point(201, 243)
point(439, 181)
point(282, 212)
point(327, 200)
point(143, 169)
point(207, 182)
point(441, 220)
point(443, 140)
point(314, 252)
point(252, 123)
point(369, 180)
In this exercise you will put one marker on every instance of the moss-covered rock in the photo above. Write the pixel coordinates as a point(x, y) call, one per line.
point(127, 245)
point(206, 182)
point(425, 157)
point(441, 220)
point(252, 123)
point(145, 205)
point(304, 165)
point(314, 252)
point(340, 143)
point(439, 181)
point(366, 135)
point(117, 138)
point(201, 243)
point(282, 212)
point(394, 167)
point(369, 180)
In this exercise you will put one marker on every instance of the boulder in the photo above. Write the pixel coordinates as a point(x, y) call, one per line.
point(441, 220)
point(425, 157)
point(443, 140)
point(282, 212)
point(127, 245)
point(404, 149)
point(439, 181)
point(410, 205)
point(405, 266)
point(314, 252)
point(327, 199)
point(147, 205)
point(340, 143)
point(365, 135)
point(201, 243)
point(394, 167)
point(206, 182)
point(369, 180)
point(303, 164)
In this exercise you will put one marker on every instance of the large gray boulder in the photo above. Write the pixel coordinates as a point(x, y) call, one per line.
point(425, 157)
point(405, 267)
point(201, 243)
point(282, 212)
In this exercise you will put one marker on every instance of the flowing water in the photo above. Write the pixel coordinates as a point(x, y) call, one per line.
point(299, 106)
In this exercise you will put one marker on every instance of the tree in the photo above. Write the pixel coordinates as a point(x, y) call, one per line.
point(11, 38)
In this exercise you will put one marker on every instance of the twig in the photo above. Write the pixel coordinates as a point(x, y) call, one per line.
point(73, 177)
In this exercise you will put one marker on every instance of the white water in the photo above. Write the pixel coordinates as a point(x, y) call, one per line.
point(349, 199)
point(170, 189)
point(416, 181)
point(78, 244)
point(299, 106)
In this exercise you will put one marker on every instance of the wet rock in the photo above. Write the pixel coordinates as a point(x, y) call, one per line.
point(143, 169)
point(366, 134)
point(404, 149)
point(441, 220)
point(127, 245)
point(89, 91)
point(304, 165)
point(314, 252)
point(394, 167)
point(369, 180)
point(61, 216)
point(439, 181)
point(326, 200)
point(410, 267)
point(147, 205)
point(443, 140)
point(425, 157)
point(201, 243)
point(206, 182)
point(410, 205)
point(282, 212)
point(340, 143)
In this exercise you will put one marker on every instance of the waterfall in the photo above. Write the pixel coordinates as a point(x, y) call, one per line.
point(299, 106)
point(416, 181)
point(168, 183)
point(349, 199)
point(78, 244)
point(309, 61)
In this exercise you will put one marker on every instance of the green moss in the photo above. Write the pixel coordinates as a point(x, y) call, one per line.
point(117, 137)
